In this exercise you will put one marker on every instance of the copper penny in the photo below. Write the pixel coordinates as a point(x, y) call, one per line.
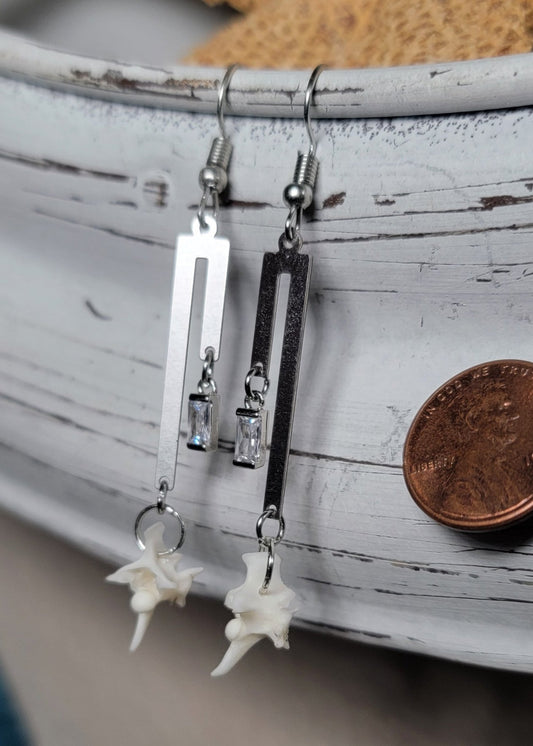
point(468, 457)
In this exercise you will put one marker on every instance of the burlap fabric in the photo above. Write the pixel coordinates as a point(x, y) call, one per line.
point(368, 33)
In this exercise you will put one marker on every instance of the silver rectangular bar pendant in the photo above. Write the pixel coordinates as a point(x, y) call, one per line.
point(250, 437)
point(189, 248)
point(203, 422)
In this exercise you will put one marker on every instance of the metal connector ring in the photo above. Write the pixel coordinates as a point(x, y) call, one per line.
point(170, 511)
point(271, 513)
point(268, 546)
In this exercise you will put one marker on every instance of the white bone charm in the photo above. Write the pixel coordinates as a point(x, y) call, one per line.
point(154, 578)
point(258, 613)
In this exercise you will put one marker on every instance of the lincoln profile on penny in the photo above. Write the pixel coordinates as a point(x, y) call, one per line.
point(467, 458)
point(486, 478)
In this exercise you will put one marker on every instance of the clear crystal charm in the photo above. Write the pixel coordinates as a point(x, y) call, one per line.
point(203, 422)
point(250, 438)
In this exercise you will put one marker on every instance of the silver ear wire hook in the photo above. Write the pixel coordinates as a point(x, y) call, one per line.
point(222, 99)
point(214, 176)
point(309, 92)
point(299, 194)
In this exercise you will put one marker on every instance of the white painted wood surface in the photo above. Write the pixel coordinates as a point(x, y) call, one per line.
point(422, 246)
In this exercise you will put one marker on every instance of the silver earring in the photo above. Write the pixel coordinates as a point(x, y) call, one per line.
point(263, 605)
point(204, 405)
point(154, 577)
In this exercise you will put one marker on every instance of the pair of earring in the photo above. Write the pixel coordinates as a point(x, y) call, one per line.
point(263, 606)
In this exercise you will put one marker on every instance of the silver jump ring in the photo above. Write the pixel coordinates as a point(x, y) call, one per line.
point(256, 372)
point(272, 513)
point(170, 511)
point(209, 227)
point(292, 224)
point(256, 398)
point(290, 244)
point(254, 395)
point(162, 497)
point(205, 386)
point(268, 545)
point(209, 363)
point(208, 367)
point(208, 194)
point(207, 382)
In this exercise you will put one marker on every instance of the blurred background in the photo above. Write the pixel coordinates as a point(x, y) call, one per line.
point(153, 32)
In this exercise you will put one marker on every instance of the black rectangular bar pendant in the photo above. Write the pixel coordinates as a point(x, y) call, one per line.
point(298, 266)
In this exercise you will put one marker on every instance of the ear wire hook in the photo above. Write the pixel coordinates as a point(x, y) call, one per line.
point(222, 99)
point(309, 92)
point(214, 176)
point(299, 194)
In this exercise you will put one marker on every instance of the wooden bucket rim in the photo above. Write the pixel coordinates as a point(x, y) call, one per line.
point(416, 90)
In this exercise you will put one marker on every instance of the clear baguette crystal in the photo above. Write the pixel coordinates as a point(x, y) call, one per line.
point(250, 438)
point(203, 422)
